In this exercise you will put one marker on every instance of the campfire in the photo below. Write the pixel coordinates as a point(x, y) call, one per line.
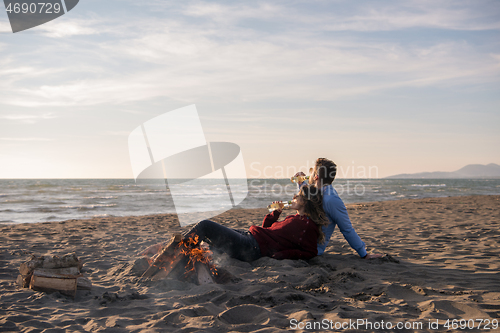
point(184, 259)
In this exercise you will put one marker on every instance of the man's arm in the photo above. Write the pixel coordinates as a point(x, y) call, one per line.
point(337, 213)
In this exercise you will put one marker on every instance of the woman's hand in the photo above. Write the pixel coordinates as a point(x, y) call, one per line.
point(279, 210)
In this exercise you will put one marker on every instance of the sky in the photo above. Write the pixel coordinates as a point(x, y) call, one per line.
point(380, 88)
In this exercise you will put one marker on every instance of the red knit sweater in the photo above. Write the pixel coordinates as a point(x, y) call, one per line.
point(293, 238)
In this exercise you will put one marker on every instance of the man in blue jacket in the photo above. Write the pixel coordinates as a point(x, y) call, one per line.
point(322, 176)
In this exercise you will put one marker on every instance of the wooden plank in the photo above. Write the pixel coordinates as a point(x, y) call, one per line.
point(66, 286)
point(57, 272)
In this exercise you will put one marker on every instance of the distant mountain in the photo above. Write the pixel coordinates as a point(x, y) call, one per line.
point(491, 170)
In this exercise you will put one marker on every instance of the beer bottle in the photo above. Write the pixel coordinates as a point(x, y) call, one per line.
point(279, 205)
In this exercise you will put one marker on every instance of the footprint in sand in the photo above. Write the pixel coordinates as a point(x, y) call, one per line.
point(245, 314)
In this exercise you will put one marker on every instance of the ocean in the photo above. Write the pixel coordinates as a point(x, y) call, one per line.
point(42, 200)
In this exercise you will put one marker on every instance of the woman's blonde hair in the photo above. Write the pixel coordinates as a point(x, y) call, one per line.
point(313, 208)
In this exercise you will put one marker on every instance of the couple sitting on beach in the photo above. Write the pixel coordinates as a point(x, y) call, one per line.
point(300, 236)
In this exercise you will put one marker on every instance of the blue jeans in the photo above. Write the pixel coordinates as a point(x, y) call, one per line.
point(236, 243)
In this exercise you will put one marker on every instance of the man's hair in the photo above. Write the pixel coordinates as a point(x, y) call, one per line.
point(326, 170)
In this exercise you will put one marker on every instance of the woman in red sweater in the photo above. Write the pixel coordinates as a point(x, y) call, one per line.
point(296, 237)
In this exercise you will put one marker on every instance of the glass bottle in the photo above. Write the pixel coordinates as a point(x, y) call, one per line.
point(299, 179)
point(279, 205)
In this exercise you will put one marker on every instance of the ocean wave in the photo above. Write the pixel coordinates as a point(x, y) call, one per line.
point(41, 185)
point(55, 203)
point(103, 215)
point(89, 207)
point(44, 210)
point(428, 185)
point(22, 201)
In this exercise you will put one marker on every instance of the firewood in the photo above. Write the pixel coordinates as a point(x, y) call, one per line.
point(57, 272)
point(181, 272)
point(65, 285)
point(167, 267)
point(68, 260)
point(165, 255)
point(204, 275)
point(28, 267)
point(222, 276)
point(83, 283)
point(186, 262)
point(23, 281)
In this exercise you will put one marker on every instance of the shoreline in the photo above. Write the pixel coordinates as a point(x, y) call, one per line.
point(441, 262)
point(60, 200)
point(237, 209)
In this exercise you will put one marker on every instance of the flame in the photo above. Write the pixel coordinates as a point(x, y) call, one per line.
point(151, 259)
point(191, 248)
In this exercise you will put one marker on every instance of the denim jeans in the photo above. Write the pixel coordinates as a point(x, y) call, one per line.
point(236, 243)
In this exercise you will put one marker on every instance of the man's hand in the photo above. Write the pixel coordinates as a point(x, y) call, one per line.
point(372, 256)
point(299, 174)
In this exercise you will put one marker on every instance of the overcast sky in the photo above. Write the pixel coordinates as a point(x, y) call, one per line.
point(398, 86)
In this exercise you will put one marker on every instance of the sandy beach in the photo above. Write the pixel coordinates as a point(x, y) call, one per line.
point(440, 262)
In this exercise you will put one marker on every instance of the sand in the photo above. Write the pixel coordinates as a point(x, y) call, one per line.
point(440, 262)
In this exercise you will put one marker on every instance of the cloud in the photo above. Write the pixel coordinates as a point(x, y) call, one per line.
point(233, 13)
point(5, 27)
point(357, 16)
point(154, 57)
point(26, 139)
point(89, 92)
point(27, 118)
point(417, 14)
point(63, 28)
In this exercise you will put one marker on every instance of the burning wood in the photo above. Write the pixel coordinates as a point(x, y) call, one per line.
point(182, 259)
